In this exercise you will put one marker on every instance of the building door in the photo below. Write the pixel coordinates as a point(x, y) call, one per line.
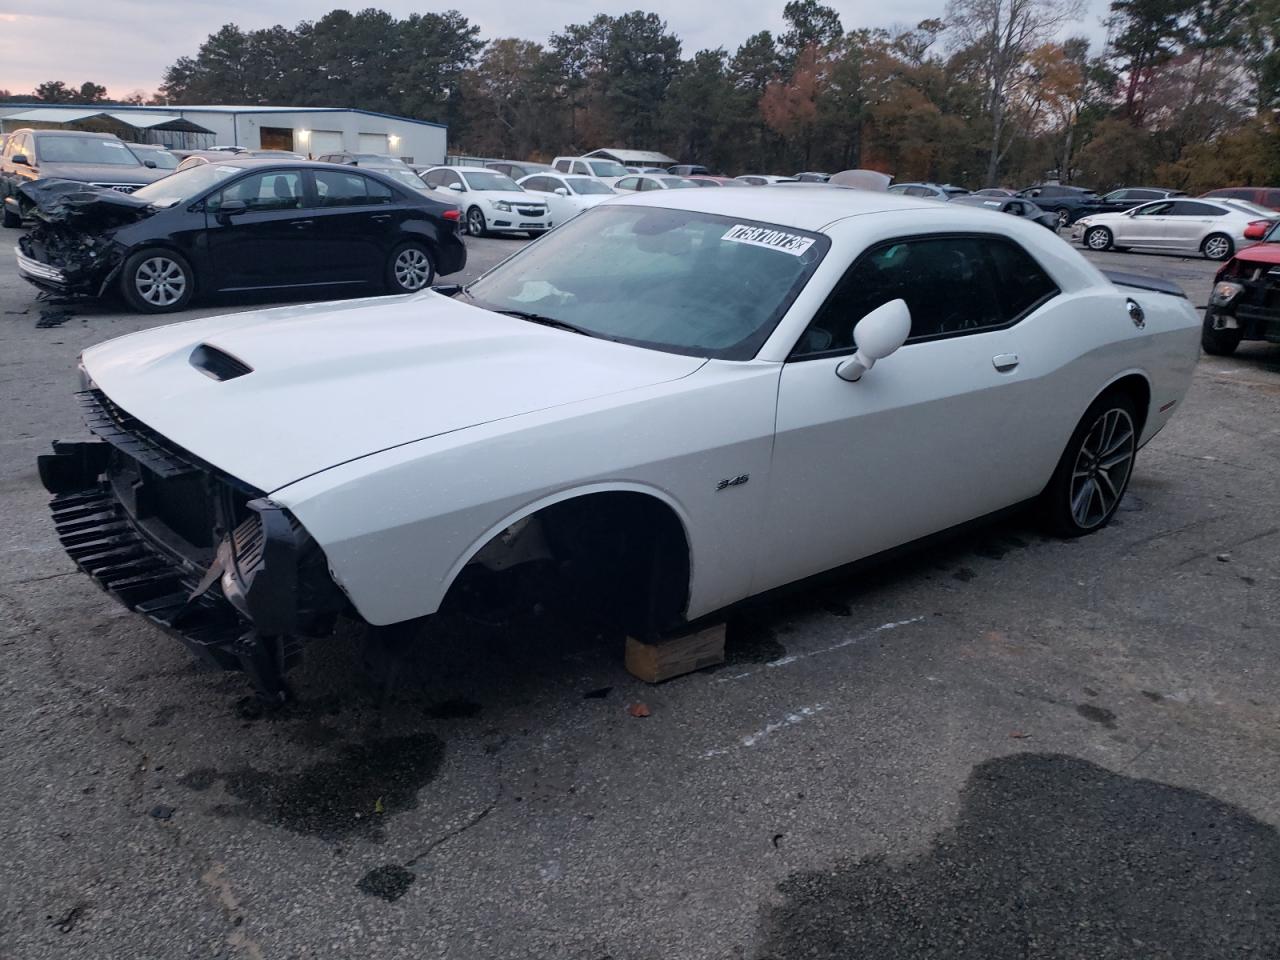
point(325, 141)
point(276, 138)
point(373, 143)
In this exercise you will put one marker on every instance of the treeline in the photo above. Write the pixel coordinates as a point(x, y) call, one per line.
point(1184, 93)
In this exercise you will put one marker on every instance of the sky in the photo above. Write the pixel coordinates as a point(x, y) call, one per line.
point(126, 44)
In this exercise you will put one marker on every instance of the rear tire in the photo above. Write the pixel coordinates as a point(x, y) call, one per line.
point(1064, 217)
point(1218, 343)
point(1098, 238)
point(411, 268)
point(156, 280)
point(1217, 246)
point(1094, 471)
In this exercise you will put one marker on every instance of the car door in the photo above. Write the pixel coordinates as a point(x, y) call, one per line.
point(1145, 226)
point(267, 242)
point(545, 187)
point(1190, 222)
point(941, 432)
point(356, 223)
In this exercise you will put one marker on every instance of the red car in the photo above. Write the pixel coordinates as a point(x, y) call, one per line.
point(1245, 304)
point(1262, 196)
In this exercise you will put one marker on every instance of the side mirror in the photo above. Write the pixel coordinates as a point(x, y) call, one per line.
point(151, 164)
point(456, 187)
point(22, 159)
point(229, 208)
point(878, 334)
point(561, 192)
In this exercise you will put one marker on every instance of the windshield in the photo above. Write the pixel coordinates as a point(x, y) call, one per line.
point(607, 168)
point(1248, 207)
point(673, 280)
point(586, 185)
point(490, 180)
point(675, 183)
point(185, 184)
point(407, 177)
point(367, 159)
point(85, 150)
point(163, 159)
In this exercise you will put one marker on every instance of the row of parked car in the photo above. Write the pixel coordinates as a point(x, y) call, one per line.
point(231, 219)
point(1215, 224)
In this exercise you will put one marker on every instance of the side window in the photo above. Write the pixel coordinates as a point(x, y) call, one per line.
point(1154, 210)
point(432, 178)
point(562, 166)
point(338, 188)
point(1189, 208)
point(1021, 283)
point(276, 190)
point(628, 183)
point(952, 285)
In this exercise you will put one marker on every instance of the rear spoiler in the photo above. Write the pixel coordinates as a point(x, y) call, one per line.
point(1155, 284)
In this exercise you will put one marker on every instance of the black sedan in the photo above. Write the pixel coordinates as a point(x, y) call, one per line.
point(1126, 198)
point(1069, 203)
point(1014, 206)
point(238, 225)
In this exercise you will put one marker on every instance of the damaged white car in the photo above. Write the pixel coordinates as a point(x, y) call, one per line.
point(669, 404)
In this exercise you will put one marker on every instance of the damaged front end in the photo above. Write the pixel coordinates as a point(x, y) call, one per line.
point(1245, 301)
point(70, 247)
point(195, 551)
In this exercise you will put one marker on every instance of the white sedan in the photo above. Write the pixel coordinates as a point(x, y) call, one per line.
point(1180, 224)
point(491, 202)
point(668, 404)
point(566, 196)
point(655, 181)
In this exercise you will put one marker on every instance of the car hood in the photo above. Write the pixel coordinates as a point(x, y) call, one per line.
point(102, 172)
point(1268, 253)
point(333, 382)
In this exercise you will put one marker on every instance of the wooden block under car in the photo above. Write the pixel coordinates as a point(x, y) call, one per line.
point(655, 662)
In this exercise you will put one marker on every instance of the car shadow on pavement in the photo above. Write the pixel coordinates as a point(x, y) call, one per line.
point(1051, 857)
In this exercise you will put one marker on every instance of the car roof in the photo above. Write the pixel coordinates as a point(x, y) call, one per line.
point(806, 209)
point(68, 133)
point(468, 169)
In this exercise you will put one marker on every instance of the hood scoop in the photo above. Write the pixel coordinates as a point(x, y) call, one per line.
point(218, 364)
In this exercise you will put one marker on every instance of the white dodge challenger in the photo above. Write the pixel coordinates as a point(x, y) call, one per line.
point(669, 404)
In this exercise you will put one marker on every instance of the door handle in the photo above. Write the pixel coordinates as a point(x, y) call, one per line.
point(1004, 362)
point(302, 224)
point(381, 216)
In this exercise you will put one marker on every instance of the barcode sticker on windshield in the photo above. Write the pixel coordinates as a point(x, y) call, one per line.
point(792, 243)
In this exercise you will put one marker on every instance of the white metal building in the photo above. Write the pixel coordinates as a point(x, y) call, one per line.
point(308, 130)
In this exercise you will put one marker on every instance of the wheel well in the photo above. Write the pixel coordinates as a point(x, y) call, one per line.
point(1137, 389)
point(620, 555)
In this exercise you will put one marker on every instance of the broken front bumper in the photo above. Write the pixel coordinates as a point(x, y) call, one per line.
point(41, 274)
point(1252, 307)
point(199, 554)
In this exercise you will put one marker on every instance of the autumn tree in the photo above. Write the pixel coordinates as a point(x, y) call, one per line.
point(999, 35)
point(511, 95)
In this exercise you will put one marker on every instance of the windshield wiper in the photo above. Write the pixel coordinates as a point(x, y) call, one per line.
point(545, 321)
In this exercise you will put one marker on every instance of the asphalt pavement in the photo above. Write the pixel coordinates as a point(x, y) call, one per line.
point(1004, 746)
